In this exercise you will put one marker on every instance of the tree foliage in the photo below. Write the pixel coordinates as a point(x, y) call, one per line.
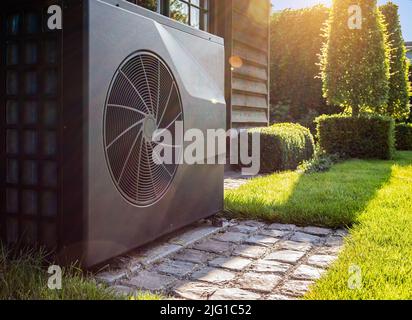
point(398, 100)
point(178, 12)
point(355, 61)
point(410, 93)
point(148, 4)
point(296, 42)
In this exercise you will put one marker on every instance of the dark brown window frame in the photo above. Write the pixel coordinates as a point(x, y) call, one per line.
point(204, 7)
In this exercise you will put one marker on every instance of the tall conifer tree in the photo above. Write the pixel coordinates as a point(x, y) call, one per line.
point(398, 100)
point(355, 58)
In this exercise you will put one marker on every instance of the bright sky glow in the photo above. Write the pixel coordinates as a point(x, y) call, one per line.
point(405, 10)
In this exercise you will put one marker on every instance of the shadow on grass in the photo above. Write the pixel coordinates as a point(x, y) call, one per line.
point(333, 199)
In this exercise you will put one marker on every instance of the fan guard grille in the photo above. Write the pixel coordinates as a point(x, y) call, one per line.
point(143, 97)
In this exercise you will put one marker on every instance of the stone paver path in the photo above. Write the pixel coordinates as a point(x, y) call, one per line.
point(220, 259)
point(238, 260)
point(234, 179)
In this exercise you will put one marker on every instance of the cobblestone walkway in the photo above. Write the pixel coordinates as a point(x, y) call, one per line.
point(235, 260)
point(234, 180)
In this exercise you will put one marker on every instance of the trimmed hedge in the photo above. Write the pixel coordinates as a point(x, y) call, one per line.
point(363, 137)
point(283, 146)
point(404, 136)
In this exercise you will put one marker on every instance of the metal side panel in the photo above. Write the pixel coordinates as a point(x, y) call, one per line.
point(132, 8)
point(73, 221)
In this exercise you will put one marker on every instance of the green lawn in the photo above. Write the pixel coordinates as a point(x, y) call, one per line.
point(334, 198)
point(24, 276)
point(375, 197)
point(380, 245)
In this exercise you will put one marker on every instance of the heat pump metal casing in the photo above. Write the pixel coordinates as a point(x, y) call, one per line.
point(98, 222)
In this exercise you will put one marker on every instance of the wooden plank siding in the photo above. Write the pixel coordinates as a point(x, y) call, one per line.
point(245, 27)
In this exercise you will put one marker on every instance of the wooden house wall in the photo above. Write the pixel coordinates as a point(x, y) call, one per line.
point(245, 26)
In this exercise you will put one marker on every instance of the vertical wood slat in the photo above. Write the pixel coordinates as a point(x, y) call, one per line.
point(246, 87)
point(222, 18)
point(249, 84)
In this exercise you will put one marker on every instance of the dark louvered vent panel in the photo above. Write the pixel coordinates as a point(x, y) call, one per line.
point(30, 104)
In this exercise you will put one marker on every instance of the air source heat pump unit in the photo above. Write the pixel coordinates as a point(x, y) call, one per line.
point(78, 109)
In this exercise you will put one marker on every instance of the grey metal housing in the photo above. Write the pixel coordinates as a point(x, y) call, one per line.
point(114, 225)
point(94, 221)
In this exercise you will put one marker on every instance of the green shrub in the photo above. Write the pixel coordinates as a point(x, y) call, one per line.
point(404, 136)
point(283, 146)
point(357, 137)
point(321, 162)
point(282, 113)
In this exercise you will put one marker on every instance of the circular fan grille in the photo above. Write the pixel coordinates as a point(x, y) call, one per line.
point(143, 97)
